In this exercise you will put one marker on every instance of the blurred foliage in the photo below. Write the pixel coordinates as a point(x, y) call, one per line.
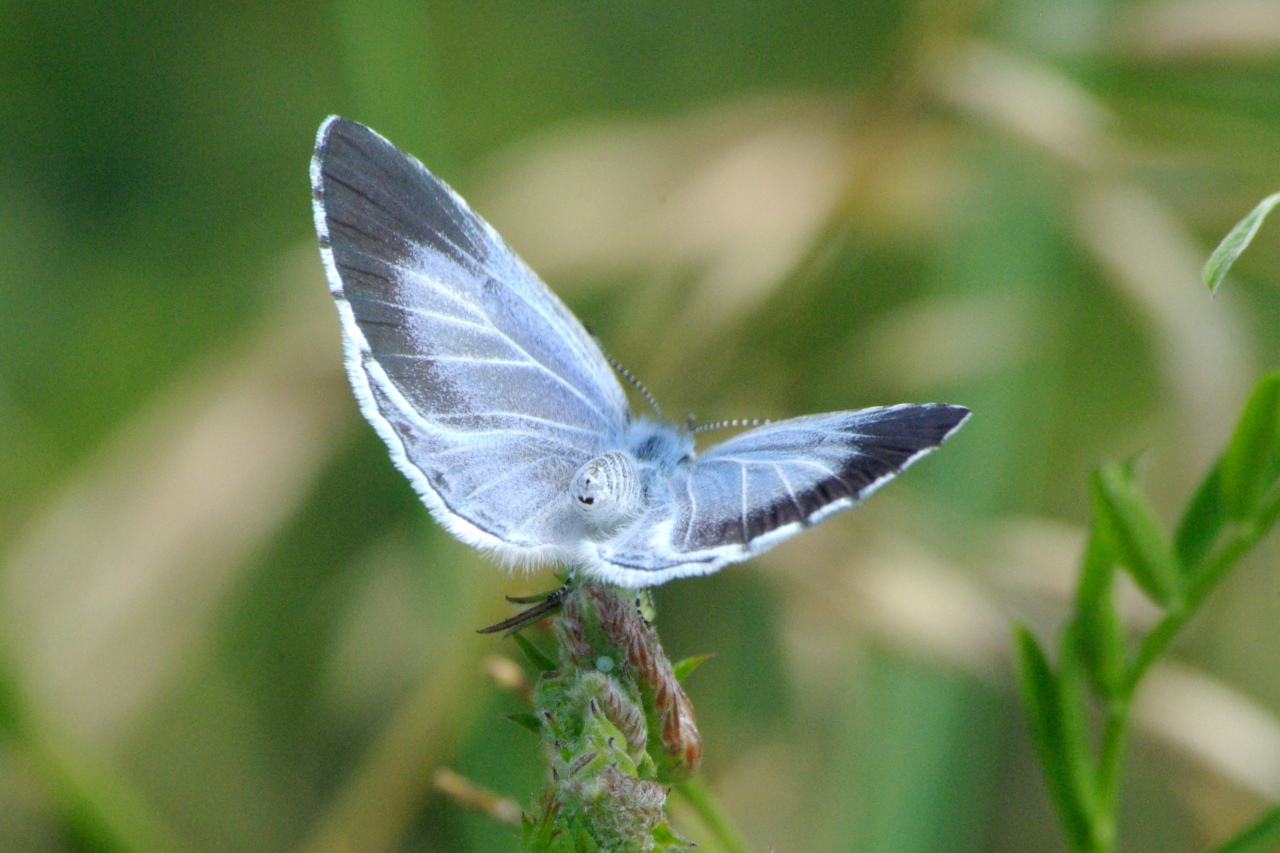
point(229, 625)
point(1235, 505)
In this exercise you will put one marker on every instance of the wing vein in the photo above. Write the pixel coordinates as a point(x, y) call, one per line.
point(455, 359)
point(490, 327)
point(399, 217)
point(351, 226)
point(832, 474)
point(479, 264)
point(791, 494)
point(523, 417)
point(508, 473)
point(693, 511)
point(436, 315)
point(737, 460)
point(565, 382)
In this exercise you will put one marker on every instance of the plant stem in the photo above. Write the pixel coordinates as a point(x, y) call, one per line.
point(1115, 731)
point(616, 728)
point(1110, 759)
point(1204, 579)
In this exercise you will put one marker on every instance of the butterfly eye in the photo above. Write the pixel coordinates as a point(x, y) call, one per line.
point(607, 491)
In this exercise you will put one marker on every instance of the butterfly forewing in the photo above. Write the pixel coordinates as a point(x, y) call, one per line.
point(488, 391)
point(801, 469)
point(743, 496)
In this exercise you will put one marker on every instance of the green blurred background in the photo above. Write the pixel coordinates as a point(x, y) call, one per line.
point(228, 625)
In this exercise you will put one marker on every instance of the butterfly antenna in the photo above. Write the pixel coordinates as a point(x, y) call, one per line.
point(733, 423)
point(627, 375)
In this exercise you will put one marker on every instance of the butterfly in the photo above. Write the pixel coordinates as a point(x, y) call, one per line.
point(509, 420)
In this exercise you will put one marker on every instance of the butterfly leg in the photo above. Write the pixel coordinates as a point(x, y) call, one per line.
point(543, 604)
point(645, 605)
point(537, 597)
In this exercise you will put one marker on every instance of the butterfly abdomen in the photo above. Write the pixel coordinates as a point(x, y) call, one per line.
point(607, 491)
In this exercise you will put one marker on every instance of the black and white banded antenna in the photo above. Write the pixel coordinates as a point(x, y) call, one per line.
point(627, 375)
point(736, 422)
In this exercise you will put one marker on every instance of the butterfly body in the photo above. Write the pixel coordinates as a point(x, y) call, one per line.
point(507, 418)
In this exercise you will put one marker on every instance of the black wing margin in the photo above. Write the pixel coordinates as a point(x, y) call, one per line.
point(798, 471)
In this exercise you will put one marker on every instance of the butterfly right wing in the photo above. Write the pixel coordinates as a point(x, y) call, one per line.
point(742, 497)
point(487, 390)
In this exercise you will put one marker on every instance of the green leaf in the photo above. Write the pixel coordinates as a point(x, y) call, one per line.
point(1202, 521)
point(1251, 463)
point(1136, 539)
point(1262, 837)
point(535, 655)
point(1098, 633)
point(683, 667)
point(1040, 697)
point(1073, 720)
point(527, 721)
point(1215, 269)
point(665, 840)
point(1236, 486)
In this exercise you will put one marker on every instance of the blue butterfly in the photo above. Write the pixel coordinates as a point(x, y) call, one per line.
point(508, 419)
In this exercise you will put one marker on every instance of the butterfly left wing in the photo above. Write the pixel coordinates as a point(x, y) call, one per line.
point(488, 392)
point(744, 496)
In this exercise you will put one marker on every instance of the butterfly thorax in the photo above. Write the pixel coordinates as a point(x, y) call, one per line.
point(660, 448)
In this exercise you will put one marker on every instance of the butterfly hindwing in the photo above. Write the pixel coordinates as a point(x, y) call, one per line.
point(487, 390)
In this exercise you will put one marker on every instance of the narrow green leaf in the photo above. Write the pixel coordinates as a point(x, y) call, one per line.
point(1251, 462)
point(682, 668)
point(1261, 837)
point(1202, 521)
point(1040, 698)
point(1236, 486)
point(1135, 537)
point(535, 655)
point(1215, 269)
point(527, 721)
point(1073, 720)
point(1098, 633)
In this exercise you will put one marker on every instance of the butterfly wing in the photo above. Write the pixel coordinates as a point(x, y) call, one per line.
point(744, 496)
point(487, 390)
